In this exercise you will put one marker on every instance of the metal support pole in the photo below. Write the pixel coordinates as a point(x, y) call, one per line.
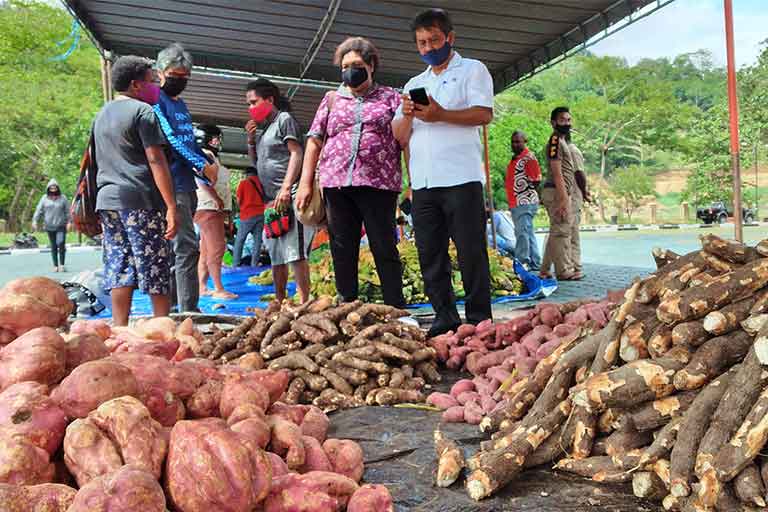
point(108, 67)
point(733, 111)
point(757, 192)
point(489, 185)
point(104, 84)
point(317, 43)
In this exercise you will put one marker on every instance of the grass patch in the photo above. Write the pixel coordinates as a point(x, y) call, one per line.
point(670, 199)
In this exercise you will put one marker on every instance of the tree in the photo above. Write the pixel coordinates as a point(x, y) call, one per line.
point(631, 185)
point(707, 146)
point(47, 106)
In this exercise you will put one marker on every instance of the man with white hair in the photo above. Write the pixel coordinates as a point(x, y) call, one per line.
point(188, 163)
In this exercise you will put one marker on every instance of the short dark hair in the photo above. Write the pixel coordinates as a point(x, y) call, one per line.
point(204, 133)
point(367, 50)
point(433, 18)
point(267, 89)
point(210, 130)
point(557, 111)
point(520, 133)
point(129, 68)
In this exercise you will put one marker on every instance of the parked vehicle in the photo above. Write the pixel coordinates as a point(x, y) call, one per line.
point(719, 212)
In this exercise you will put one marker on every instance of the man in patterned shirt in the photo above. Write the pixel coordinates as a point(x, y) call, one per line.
point(522, 181)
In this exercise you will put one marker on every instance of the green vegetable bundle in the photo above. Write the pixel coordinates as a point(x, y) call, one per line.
point(504, 281)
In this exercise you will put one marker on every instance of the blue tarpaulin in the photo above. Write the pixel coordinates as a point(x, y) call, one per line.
point(249, 295)
point(534, 288)
point(235, 281)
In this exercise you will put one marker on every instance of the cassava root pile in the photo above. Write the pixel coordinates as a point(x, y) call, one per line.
point(672, 395)
point(339, 356)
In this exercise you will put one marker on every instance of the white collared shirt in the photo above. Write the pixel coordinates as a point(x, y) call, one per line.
point(443, 154)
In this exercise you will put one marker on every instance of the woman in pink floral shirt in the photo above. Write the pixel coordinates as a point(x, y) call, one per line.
point(359, 170)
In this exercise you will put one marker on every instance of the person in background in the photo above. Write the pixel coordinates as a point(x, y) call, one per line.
point(174, 66)
point(446, 169)
point(522, 182)
point(53, 211)
point(359, 170)
point(559, 198)
point(505, 233)
point(250, 197)
point(581, 196)
point(135, 191)
point(214, 206)
point(277, 156)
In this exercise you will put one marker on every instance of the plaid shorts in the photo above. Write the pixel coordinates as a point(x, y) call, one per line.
point(136, 253)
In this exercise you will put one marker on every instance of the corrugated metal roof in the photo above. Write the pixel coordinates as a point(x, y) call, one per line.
point(513, 38)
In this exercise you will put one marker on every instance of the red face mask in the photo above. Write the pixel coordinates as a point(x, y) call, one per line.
point(149, 93)
point(261, 111)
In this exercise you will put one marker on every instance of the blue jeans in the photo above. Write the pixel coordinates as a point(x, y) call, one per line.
point(255, 226)
point(526, 248)
point(58, 243)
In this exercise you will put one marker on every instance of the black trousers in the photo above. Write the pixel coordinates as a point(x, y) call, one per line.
point(347, 209)
point(453, 213)
point(58, 243)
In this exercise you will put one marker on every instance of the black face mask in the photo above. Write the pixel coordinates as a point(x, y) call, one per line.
point(174, 85)
point(354, 77)
point(214, 149)
point(563, 129)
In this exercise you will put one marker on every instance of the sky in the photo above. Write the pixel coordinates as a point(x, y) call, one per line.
point(688, 25)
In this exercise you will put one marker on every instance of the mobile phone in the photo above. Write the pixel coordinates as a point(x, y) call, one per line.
point(419, 96)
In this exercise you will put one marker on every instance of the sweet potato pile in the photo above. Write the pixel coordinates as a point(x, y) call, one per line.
point(120, 420)
point(338, 356)
point(502, 354)
point(670, 395)
point(29, 303)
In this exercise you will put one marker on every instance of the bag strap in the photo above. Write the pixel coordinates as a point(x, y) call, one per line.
point(92, 146)
point(197, 162)
point(88, 156)
point(94, 166)
point(257, 185)
point(331, 95)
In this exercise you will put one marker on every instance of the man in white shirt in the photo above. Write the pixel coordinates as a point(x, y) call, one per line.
point(446, 169)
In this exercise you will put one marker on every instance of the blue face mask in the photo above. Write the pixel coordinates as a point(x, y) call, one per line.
point(439, 56)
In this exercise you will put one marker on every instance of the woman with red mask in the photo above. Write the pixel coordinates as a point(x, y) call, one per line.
point(277, 157)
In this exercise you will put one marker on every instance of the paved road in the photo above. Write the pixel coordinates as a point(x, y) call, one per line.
point(39, 264)
point(630, 250)
point(633, 248)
